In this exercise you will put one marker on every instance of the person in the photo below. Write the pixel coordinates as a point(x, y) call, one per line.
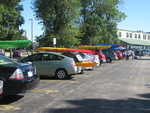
point(16, 54)
point(126, 53)
point(133, 54)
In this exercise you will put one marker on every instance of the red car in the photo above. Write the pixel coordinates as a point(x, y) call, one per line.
point(101, 55)
point(119, 54)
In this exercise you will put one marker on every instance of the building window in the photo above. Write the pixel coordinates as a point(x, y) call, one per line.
point(135, 35)
point(130, 35)
point(120, 35)
point(148, 37)
point(144, 37)
point(127, 35)
point(139, 36)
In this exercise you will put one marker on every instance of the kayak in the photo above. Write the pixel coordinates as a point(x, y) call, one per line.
point(86, 64)
point(53, 49)
point(94, 47)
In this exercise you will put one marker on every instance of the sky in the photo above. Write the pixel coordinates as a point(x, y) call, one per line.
point(138, 16)
point(29, 14)
point(137, 12)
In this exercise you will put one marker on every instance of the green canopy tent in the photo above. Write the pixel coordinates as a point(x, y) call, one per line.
point(15, 44)
point(136, 41)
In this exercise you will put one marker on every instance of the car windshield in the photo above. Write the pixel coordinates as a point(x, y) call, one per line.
point(4, 60)
point(79, 57)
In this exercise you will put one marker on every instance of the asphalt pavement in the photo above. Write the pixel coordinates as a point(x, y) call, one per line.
point(120, 87)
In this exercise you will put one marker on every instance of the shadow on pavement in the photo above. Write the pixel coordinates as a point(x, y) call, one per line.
point(10, 99)
point(53, 78)
point(143, 59)
point(130, 105)
point(147, 96)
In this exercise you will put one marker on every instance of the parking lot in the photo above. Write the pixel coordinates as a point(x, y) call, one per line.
point(119, 87)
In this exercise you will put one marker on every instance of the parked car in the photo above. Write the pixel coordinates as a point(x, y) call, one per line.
point(52, 64)
point(115, 54)
point(16, 53)
point(16, 78)
point(138, 53)
point(77, 58)
point(89, 61)
point(102, 56)
point(109, 55)
point(119, 54)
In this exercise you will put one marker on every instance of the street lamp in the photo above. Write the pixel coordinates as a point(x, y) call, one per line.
point(31, 29)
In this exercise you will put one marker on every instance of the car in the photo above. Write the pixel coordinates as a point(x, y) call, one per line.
point(91, 57)
point(52, 64)
point(110, 56)
point(77, 58)
point(101, 55)
point(119, 54)
point(16, 78)
point(16, 53)
point(138, 53)
point(89, 61)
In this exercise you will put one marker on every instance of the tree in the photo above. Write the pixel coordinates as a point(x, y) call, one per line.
point(10, 20)
point(99, 21)
point(58, 18)
point(78, 21)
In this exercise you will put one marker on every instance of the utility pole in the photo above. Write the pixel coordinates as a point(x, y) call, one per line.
point(31, 19)
point(31, 29)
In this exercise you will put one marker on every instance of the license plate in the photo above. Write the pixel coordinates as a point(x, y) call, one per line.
point(30, 74)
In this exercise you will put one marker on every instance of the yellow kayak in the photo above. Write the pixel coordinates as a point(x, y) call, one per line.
point(86, 64)
point(94, 47)
point(50, 49)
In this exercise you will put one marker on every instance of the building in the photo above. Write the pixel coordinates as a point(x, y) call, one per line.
point(135, 39)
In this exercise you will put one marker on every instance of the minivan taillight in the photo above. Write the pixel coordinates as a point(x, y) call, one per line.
point(17, 75)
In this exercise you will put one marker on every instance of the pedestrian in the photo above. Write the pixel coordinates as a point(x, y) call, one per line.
point(133, 54)
point(126, 54)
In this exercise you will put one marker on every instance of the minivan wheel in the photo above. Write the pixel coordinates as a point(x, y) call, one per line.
point(61, 74)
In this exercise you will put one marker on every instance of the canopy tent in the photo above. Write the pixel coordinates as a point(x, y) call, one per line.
point(15, 44)
point(119, 48)
point(112, 45)
point(136, 41)
point(64, 50)
point(94, 47)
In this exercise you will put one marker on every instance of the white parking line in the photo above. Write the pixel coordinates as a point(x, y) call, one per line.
point(46, 91)
point(51, 81)
point(9, 108)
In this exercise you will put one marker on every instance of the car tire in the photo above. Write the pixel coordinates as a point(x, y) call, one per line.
point(61, 74)
point(82, 72)
point(109, 60)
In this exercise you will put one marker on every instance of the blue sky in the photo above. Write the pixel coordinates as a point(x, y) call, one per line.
point(138, 16)
point(28, 14)
point(137, 11)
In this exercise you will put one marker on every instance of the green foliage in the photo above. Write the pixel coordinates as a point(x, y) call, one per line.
point(10, 20)
point(58, 18)
point(99, 22)
point(75, 22)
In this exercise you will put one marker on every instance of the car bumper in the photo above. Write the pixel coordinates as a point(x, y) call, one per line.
point(13, 87)
point(72, 70)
